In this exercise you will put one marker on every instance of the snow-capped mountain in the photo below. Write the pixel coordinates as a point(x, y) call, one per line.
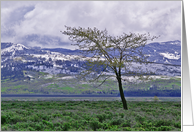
point(19, 57)
point(161, 52)
point(13, 49)
point(164, 52)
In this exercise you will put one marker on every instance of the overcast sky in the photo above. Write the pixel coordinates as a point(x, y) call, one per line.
point(38, 23)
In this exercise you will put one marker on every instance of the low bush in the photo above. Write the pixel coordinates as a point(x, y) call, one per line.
point(127, 123)
point(95, 124)
point(65, 126)
point(163, 123)
point(3, 119)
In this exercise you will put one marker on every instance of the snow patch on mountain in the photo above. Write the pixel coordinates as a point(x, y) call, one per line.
point(13, 48)
point(56, 56)
point(176, 42)
point(170, 55)
point(167, 62)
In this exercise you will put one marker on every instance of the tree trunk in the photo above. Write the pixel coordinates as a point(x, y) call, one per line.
point(122, 94)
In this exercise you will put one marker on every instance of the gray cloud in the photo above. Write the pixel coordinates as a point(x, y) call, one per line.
point(22, 19)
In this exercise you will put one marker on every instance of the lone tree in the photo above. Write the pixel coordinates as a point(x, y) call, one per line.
point(118, 54)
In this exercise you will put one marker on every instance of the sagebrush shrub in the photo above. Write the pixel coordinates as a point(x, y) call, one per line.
point(65, 126)
point(163, 123)
point(156, 98)
point(57, 128)
point(38, 127)
point(127, 123)
point(57, 124)
point(105, 125)
point(126, 129)
point(164, 128)
point(116, 121)
point(3, 119)
point(122, 115)
point(95, 124)
point(31, 129)
point(101, 117)
point(177, 124)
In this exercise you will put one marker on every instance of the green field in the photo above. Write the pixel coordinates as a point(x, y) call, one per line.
point(90, 115)
point(47, 84)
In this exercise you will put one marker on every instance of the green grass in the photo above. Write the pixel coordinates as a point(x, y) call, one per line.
point(84, 85)
point(20, 86)
point(89, 116)
point(72, 86)
point(53, 86)
point(43, 73)
point(4, 81)
point(66, 88)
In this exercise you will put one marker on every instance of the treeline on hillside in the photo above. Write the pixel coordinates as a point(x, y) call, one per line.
point(134, 93)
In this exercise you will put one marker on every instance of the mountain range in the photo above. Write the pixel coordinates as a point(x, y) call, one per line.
point(18, 57)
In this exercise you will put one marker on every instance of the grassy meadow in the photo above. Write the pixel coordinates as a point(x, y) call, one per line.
point(87, 115)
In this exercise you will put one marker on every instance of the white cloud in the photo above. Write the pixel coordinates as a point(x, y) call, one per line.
point(21, 18)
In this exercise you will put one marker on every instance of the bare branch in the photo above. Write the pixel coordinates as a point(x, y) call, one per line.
point(103, 81)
